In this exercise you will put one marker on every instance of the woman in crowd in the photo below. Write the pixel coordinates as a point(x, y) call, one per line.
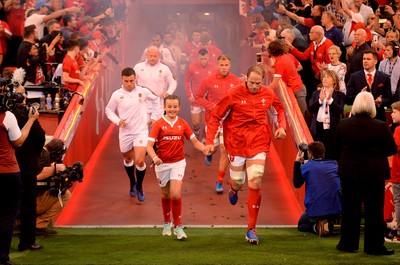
point(391, 35)
point(363, 145)
point(336, 66)
point(326, 105)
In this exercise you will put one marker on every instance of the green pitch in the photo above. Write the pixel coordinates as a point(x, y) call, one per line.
point(203, 246)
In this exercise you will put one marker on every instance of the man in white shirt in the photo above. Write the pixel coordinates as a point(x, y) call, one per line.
point(155, 76)
point(365, 11)
point(40, 17)
point(352, 15)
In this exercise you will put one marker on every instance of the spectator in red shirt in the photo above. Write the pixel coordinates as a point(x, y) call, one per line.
point(286, 68)
point(71, 73)
point(88, 26)
point(15, 16)
point(317, 52)
point(5, 34)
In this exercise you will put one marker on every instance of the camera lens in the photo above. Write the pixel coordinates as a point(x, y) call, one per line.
point(304, 148)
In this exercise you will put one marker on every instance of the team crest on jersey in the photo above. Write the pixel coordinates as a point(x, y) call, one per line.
point(263, 101)
point(121, 97)
point(196, 72)
point(179, 127)
point(243, 102)
point(231, 158)
point(231, 85)
point(140, 97)
point(209, 72)
point(215, 86)
point(164, 128)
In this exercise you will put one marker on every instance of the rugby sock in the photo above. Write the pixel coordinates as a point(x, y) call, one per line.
point(140, 172)
point(253, 205)
point(166, 208)
point(221, 175)
point(177, 211)
point(130, 170)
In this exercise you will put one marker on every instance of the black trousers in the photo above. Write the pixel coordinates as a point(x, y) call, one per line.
point(28, 209)
point(371, 193)
point(10, 192)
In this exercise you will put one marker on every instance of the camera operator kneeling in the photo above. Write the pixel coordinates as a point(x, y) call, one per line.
point(49, 203)
point(321, 201)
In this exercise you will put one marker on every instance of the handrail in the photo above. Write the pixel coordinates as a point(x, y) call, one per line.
point(84, 122)
point(297, 133)
point(295, 120)
point(73, 114)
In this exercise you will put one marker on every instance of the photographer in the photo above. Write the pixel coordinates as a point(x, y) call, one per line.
point(10, 189)
point(322, 189)
point(27, 156)
point(49, 205)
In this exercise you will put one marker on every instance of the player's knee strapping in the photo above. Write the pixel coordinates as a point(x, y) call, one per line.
point(255, 171)
point(238, 176)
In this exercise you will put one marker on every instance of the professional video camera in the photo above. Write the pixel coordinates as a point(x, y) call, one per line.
point(8, 97)
point(63, 180)
point(304, 148)
point(67, 97)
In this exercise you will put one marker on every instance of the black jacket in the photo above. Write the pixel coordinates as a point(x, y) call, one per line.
point(363, 145)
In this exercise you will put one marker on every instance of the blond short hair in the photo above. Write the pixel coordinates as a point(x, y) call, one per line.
point(336, 48)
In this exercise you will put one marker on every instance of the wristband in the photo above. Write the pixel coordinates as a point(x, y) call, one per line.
point(155, 158)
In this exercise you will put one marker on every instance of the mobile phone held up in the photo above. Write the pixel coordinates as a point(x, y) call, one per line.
point(258, 58)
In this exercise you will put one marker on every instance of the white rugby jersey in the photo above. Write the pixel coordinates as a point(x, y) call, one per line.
point(157, 78)
point(132, 107)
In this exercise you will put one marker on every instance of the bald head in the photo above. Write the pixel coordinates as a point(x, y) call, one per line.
point(152, 55)
point(359, 36)
point(317, 33)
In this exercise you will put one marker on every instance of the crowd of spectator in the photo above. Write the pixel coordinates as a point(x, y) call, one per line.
point(37, 35)
point(326, 52)
point(357, 40)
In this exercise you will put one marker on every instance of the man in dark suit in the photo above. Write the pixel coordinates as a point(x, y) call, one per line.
point(371, 80)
